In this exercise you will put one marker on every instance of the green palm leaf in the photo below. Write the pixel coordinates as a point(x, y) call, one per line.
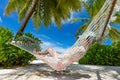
point(23, 12)
point(36, 20)
point(93, 6)
point(14, 5)
point(78, 19)
point(117, 19)
point(114, 34)
point(82, 29)
point(10, 7)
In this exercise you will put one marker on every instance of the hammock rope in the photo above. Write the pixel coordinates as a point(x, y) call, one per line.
point(79, 48)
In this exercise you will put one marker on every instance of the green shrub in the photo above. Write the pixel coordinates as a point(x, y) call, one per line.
point(9, 55)
point(102, 55)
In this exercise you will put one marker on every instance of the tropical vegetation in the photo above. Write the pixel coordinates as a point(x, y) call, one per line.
point(42, 11)
point(93, 7)
point(102, 55)
point(10, 55)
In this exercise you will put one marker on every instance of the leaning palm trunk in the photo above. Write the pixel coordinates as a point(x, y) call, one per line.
point(108, 19)
point(28, 16)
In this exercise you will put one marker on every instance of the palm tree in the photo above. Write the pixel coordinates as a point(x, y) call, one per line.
point(93, 6)
point(42, 11)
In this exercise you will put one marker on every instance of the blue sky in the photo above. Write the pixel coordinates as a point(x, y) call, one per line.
point(59, 39)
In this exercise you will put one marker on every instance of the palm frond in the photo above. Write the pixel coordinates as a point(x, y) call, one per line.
point(117, 19)
point(114, 34)
point(78, 19)
point(93, 6)
point(23, 12)
point(82, 29)
point(36, 20)
point(47, 14)
point(13, 5)
point(10, 7)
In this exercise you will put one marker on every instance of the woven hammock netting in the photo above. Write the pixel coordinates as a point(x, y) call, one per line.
point(93, 32)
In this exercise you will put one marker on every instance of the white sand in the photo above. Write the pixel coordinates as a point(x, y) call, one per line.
point(37, 70)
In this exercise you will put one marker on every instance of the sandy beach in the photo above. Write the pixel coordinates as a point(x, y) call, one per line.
point(37, 70)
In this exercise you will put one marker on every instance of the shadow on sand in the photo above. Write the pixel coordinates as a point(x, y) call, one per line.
point(73, 72)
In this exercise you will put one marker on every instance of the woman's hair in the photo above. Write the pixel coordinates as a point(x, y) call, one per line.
point(87, 39)
point(90, 39)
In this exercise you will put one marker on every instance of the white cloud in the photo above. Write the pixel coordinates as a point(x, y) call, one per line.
point(0, 19)
point(44, 36)
point(55, 46)
point(47, 42)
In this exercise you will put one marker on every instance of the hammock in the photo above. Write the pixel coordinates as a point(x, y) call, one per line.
point(79, 48)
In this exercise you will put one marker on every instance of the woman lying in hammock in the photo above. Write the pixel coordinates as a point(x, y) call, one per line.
point(85, 43)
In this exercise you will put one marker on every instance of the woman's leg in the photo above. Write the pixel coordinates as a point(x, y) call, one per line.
point(50, 51)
